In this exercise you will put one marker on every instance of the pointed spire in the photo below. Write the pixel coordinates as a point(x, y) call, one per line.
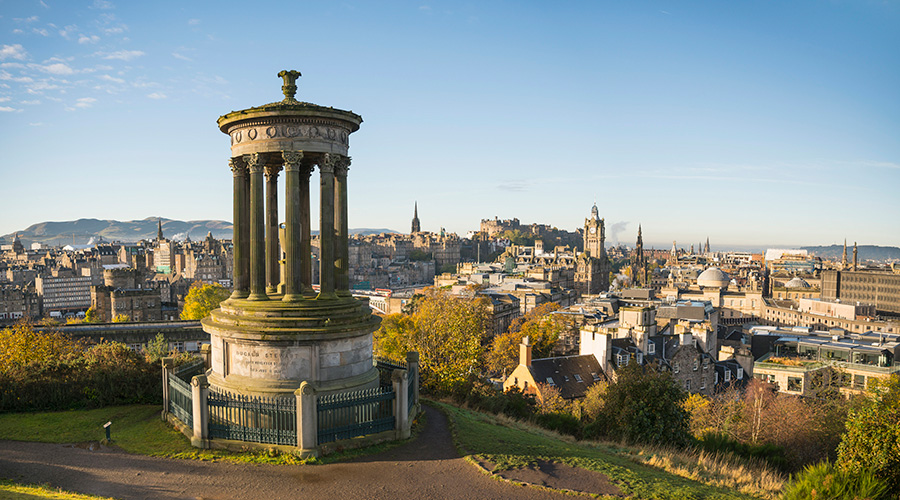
point(844, 258)
point(855, 261)
point(159, 235)
point(416, 225)
point(595, 213)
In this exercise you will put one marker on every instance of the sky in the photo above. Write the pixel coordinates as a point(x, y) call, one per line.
point(749, 123)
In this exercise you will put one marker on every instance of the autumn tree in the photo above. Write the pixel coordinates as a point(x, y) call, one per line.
point(21, 345)
point(447, 331)
point(202, 299)
point(541, 328)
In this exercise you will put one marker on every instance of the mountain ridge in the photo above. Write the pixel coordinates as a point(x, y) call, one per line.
point(81, 231)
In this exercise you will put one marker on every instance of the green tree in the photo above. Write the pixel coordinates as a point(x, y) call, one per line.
point(202, 299)
point(393, 338)
point(646, 405)
point(872, 440)
point(121, 318)
point(157, 348)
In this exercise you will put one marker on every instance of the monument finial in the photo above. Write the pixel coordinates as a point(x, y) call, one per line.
point(290, 84)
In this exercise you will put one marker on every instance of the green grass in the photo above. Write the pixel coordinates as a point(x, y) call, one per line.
point(13, 491)
point(138, 429)
point(510, 444)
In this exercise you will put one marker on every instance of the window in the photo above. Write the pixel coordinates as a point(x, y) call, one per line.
point(705, 363)
point(651, 348)
point(675, 367)
point(687, 385)
point(595, 376)
point(740, 374)
point(703, 383)
point(640, 358)
point(550, 381)
point(696, 364)
point(795, 384)
point(578, 378)
point(622, 359)
point(727, 375)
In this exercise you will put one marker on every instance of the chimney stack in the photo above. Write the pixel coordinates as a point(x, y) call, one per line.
point(525, 352)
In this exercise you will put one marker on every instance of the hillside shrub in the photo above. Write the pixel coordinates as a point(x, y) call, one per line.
point(825, 481)
point(52, 372)
point(774, 455)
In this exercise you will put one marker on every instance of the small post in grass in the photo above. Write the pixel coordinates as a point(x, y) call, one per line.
point(106, 426)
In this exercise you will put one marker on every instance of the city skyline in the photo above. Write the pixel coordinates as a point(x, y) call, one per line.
point(756, 124)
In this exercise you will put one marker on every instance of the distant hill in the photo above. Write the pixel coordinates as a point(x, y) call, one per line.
point(81, 231)
point(865, 252)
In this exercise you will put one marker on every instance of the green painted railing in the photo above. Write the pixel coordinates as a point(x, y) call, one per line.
point(351, 414)
point(254, 419)
point(187, 371)
point(180, 400)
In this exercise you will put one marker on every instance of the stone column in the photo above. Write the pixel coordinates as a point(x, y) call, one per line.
point(292, 221)
point(341, 246)
point(305, 232)
point(241, 264)
point(168, 365)
point(400, 380)
point(257, 229)
point(273, 250)
point(412, 368)
point(199, 396)
point(307, 420)
point(326, 221)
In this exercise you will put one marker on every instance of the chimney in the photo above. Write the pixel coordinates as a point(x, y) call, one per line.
point(525, 352)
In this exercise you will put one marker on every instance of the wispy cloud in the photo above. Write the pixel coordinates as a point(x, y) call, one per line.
point(26, 20)
point(40, 31)
point(193, 22)
point(88, 39)
point(84, 102)
point(16, 51)
point(157, 95)
point(102, 5)
point(176, 55)
point(124, 55)
point(109, 78)
point(513, 187)
point(7, 109)
point(57, 69)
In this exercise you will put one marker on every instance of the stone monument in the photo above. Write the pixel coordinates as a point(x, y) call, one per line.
point(274, 333)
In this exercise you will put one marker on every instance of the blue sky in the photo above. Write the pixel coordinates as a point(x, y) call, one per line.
point(751, 123)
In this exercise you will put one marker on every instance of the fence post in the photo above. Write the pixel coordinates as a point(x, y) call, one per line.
point(307, 416)
point(400, 379)
point(167, 364)
point(199, 395)
point(206, 355)
point(412, 364)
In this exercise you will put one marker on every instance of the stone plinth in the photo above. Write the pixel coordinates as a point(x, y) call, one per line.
point(270, 348)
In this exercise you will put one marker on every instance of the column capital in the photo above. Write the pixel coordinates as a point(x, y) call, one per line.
point(238, 166)
point(254, 163)
point(271, 171)
point(292, 160)
point(342, 166)
point(328, 163)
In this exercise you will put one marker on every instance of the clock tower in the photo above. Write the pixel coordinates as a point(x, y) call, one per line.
point(592, 266)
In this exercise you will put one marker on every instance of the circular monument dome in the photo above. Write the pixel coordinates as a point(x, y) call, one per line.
point(797, 282)
point(713, 278)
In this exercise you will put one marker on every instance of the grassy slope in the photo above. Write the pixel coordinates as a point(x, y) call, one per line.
point(509, 446)
point(12, 491)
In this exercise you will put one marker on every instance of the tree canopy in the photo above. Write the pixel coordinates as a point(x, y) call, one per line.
point(872, 440)
point(446, 330)
point(202, 299)
point(542, 329)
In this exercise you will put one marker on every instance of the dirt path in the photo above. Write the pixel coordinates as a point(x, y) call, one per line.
point(427, 467)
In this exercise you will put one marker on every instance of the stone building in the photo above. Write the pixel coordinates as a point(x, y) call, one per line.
point(880, 288)
point(120, 295)
point(17, 302)
point(64, 294)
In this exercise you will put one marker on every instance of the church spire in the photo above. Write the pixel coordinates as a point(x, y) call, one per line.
point(416, 226)
point(159, 235)
point(844, 258)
